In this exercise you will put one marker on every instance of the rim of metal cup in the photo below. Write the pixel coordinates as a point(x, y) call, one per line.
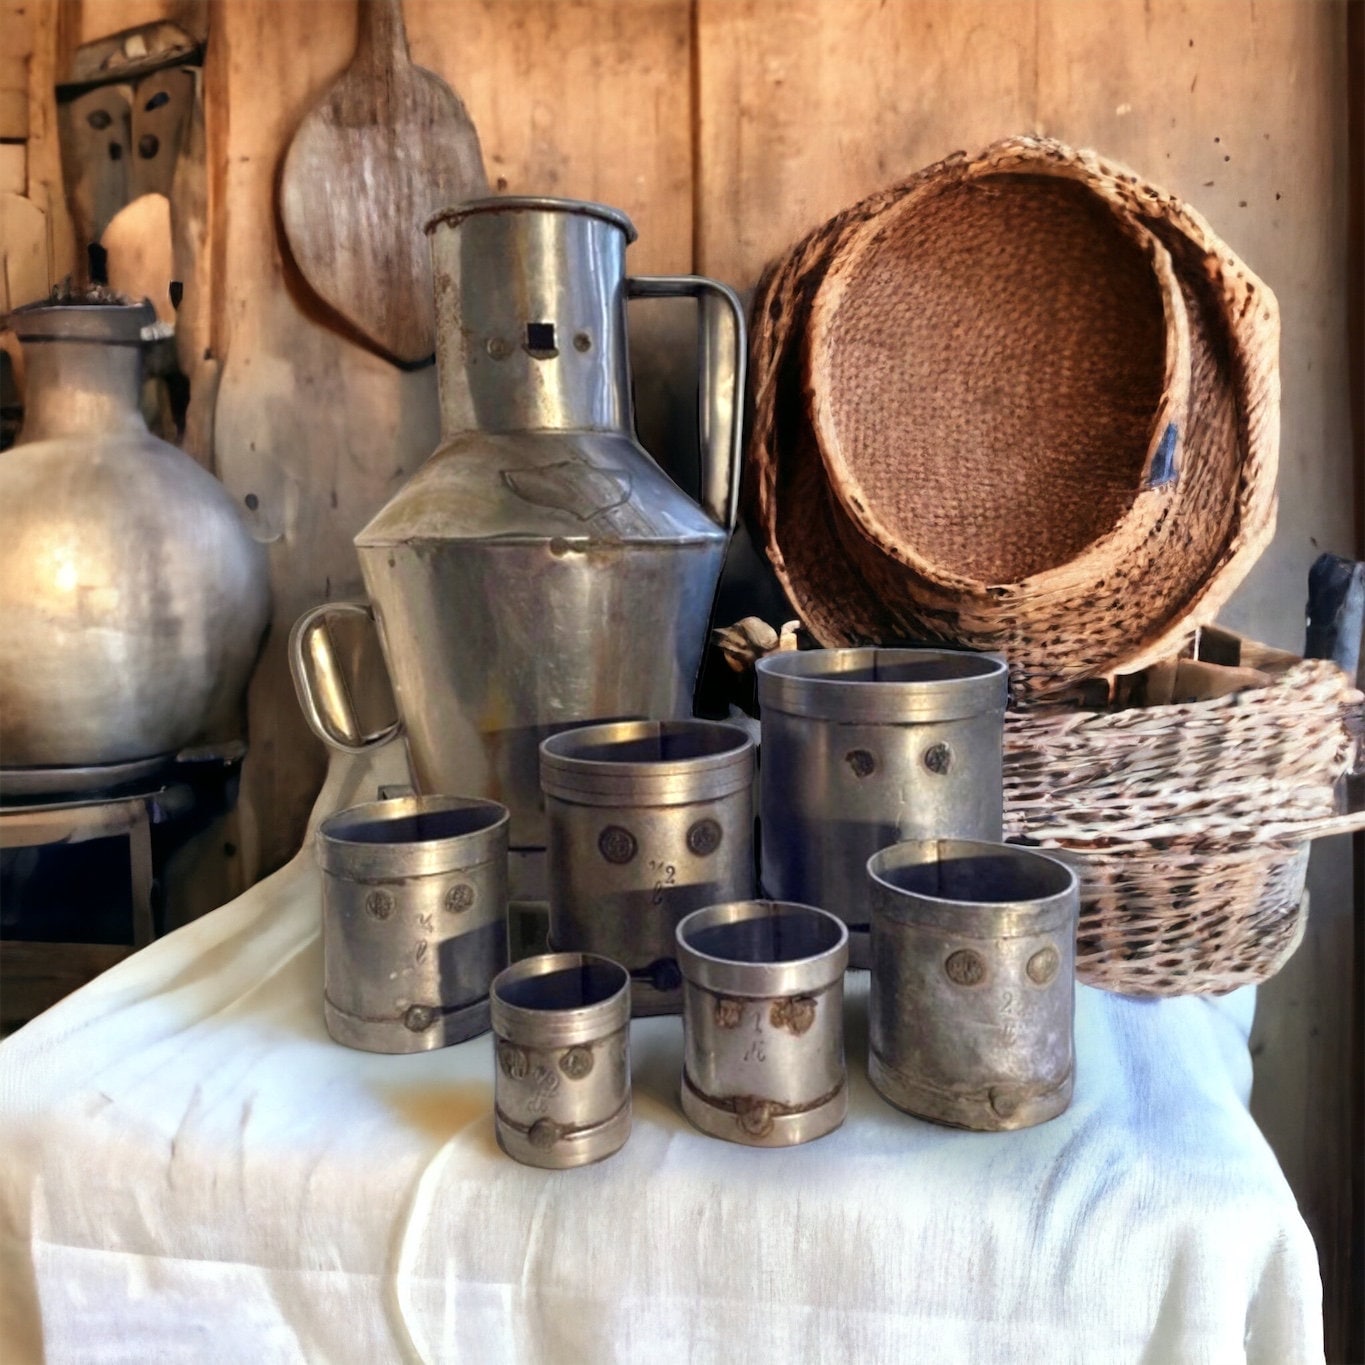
point(562, 1026)
point(421, 843)
point(537, 203)
point(609, 764)
point(1018, 892)
point(876, 685)
point(769, 975)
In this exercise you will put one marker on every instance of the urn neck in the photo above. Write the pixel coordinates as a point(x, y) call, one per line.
point(530, 316)
point(80, 388)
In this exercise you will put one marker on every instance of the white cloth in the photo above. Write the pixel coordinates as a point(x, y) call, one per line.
point(192, 1171)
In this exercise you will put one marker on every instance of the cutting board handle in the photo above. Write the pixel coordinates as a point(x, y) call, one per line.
point(381, 37)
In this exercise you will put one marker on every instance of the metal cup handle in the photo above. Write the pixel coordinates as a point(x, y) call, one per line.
point(323, 692)
point(722, 357)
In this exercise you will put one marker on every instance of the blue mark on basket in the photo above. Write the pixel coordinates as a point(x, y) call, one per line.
point(1163, 470)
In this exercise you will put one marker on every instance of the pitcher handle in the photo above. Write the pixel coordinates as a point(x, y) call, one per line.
point(321, 685)
point(722, 355)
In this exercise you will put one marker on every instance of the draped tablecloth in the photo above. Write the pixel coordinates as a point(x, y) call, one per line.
point(190, 1170)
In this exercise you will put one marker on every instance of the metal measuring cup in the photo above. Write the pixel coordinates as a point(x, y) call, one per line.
point(972, 1001)
point(414, 920)
point(763, 1022)
point(561, 1091)
point(648, 820)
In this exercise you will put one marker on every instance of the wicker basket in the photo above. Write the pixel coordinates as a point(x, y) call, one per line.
point(1021, 402)
point(1188, 824)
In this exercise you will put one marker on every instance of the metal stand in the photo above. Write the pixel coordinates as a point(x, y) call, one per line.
point(35, 975)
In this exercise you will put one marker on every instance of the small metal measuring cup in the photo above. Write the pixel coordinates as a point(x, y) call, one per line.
point(414, 920)
point(763, 1022)
point(561, 1091)
point(973, 982)
point(648, 820)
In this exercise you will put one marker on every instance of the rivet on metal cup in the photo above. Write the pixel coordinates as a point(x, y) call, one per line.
point(763, 1022)
point(865, 747)
point(561, 1090)
point(414, 920)
point(648, 820)
point(973, 982)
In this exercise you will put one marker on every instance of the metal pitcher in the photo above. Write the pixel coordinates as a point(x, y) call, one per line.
point(540, 570)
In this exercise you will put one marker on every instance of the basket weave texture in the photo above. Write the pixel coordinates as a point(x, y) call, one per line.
point(1021, 402)
point(1188, 825)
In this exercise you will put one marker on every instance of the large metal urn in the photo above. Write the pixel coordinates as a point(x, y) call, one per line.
point(133, 599)
point(540, 570)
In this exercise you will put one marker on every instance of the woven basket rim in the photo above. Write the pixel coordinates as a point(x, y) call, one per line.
point(1248, 324)
point(1012, 157)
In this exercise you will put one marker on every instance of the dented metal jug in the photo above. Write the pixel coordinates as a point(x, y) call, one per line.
point(540, 570)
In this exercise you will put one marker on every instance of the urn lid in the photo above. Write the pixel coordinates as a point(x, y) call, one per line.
point(114, 324)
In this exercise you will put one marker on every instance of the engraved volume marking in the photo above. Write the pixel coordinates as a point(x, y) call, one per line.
point(665, 875)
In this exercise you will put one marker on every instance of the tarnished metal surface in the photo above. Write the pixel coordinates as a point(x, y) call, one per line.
point(540, 571)
point(648, 821)
point(763, 1028)
point(414, 920)
point(562, 1085)
point(132, 596)
point(866, 747)
point(973, 990)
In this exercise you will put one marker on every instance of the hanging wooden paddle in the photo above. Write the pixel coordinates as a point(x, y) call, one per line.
point(383, 149)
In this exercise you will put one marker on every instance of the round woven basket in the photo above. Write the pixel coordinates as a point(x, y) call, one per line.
point(1188, 825)
point(1020, 402)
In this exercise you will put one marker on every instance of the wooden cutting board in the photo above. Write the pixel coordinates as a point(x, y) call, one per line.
point(24, 266)
point(383, 149)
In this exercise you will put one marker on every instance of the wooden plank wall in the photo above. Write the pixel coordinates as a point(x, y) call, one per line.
point(727, 127)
